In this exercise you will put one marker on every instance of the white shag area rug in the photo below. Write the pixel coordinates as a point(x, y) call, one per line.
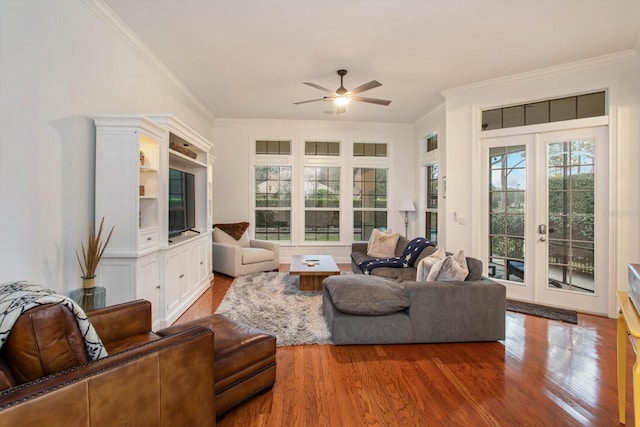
point(274, 303)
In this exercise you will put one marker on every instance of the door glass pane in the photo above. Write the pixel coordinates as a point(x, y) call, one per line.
point(571, 215)
point(507, 190)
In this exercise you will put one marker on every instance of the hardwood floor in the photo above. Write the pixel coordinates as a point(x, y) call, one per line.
point(545, 373)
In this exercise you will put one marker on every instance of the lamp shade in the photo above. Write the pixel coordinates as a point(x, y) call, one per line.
point(406, 205)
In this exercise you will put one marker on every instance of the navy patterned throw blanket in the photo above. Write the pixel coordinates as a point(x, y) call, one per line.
point(408, 257)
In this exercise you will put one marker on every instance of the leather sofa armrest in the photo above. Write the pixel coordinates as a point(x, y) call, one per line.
point(120, 321)
point(270, 246)
point(165, 382)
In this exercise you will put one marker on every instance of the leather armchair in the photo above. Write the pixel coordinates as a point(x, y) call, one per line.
point(146, 379)
point(245, 256)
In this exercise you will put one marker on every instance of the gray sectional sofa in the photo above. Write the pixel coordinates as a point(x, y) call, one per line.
point(378, 310)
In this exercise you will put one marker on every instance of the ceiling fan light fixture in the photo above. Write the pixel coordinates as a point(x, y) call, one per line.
point(342, 100)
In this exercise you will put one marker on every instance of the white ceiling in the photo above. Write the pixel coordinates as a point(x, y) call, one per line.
point(248, 58)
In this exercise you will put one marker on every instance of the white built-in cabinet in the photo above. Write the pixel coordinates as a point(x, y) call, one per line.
point(133, 157)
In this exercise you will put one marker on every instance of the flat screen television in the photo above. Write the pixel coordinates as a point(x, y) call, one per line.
point(182, 202)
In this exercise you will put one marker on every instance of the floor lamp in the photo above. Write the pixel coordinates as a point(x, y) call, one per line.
point(406, 206)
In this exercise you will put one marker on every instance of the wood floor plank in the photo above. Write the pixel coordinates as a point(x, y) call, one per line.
point(545, 373)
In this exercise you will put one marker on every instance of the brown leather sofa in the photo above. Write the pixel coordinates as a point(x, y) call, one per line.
point(147, 379)
point(182, 375)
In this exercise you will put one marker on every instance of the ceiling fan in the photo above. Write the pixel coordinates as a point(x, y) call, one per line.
point(341, 97)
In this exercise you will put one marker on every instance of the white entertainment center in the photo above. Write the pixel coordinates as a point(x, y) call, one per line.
point(134, 154)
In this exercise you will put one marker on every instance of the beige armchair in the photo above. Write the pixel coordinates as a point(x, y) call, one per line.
point(243, 256)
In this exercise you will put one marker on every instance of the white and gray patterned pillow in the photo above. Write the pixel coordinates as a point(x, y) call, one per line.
point(426, 263)
point(453, 267)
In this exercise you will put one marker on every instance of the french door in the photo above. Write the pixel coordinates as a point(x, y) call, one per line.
point(546, 216)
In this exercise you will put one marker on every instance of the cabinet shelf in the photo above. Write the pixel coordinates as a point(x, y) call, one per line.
point(180, 159)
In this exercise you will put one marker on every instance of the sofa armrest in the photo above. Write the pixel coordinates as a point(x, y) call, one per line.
point(120, 321)
point(165, 382)
point(226, 258)
point(270, 246)
point(359, 247)
point(458, 310)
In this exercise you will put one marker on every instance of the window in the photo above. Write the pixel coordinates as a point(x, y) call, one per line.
point(432, 203)
point(432, 142)
point(322, 203)
point(273, 147)
point(369, 149)
point(553, 110)
point(321, 148)
point(273, 202)
point(369, 201)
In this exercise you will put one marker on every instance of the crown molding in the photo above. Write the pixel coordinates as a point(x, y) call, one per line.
point(123, 30)
point(613, 58)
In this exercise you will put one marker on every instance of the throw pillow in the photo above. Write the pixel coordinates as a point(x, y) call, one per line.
point(382, 245)
point(220, 236)
point(235, 230)
point(453, 267)
point(366, 295)
point(426, 264)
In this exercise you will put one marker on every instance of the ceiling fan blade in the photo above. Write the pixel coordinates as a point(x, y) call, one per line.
point(324, 89)
point(310, 100)
point(371, 100)
point(366, 86)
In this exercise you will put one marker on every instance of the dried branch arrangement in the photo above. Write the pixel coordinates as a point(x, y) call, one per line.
point(92, 254)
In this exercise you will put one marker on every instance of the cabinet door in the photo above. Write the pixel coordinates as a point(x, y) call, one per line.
point(183, 275)
point(148, 286)
point(198, 264)
point(172, 284)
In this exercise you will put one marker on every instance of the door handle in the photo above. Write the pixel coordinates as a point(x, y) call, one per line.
point(543, 239)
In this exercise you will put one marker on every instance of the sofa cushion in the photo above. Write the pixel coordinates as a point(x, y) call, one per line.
point(424, 266)
point(382, 245)
point(453, 267)
point(254, 255)
point(366, 295)
point(220, 236)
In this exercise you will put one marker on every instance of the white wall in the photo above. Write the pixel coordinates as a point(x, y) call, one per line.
point(232, 171)
point(619, 74)
point(60, 64)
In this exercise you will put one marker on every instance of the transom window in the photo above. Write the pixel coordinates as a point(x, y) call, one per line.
point(553, 110)
point(369, 149)
point(321, 148)
point(432, 142)
point(273, 147)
